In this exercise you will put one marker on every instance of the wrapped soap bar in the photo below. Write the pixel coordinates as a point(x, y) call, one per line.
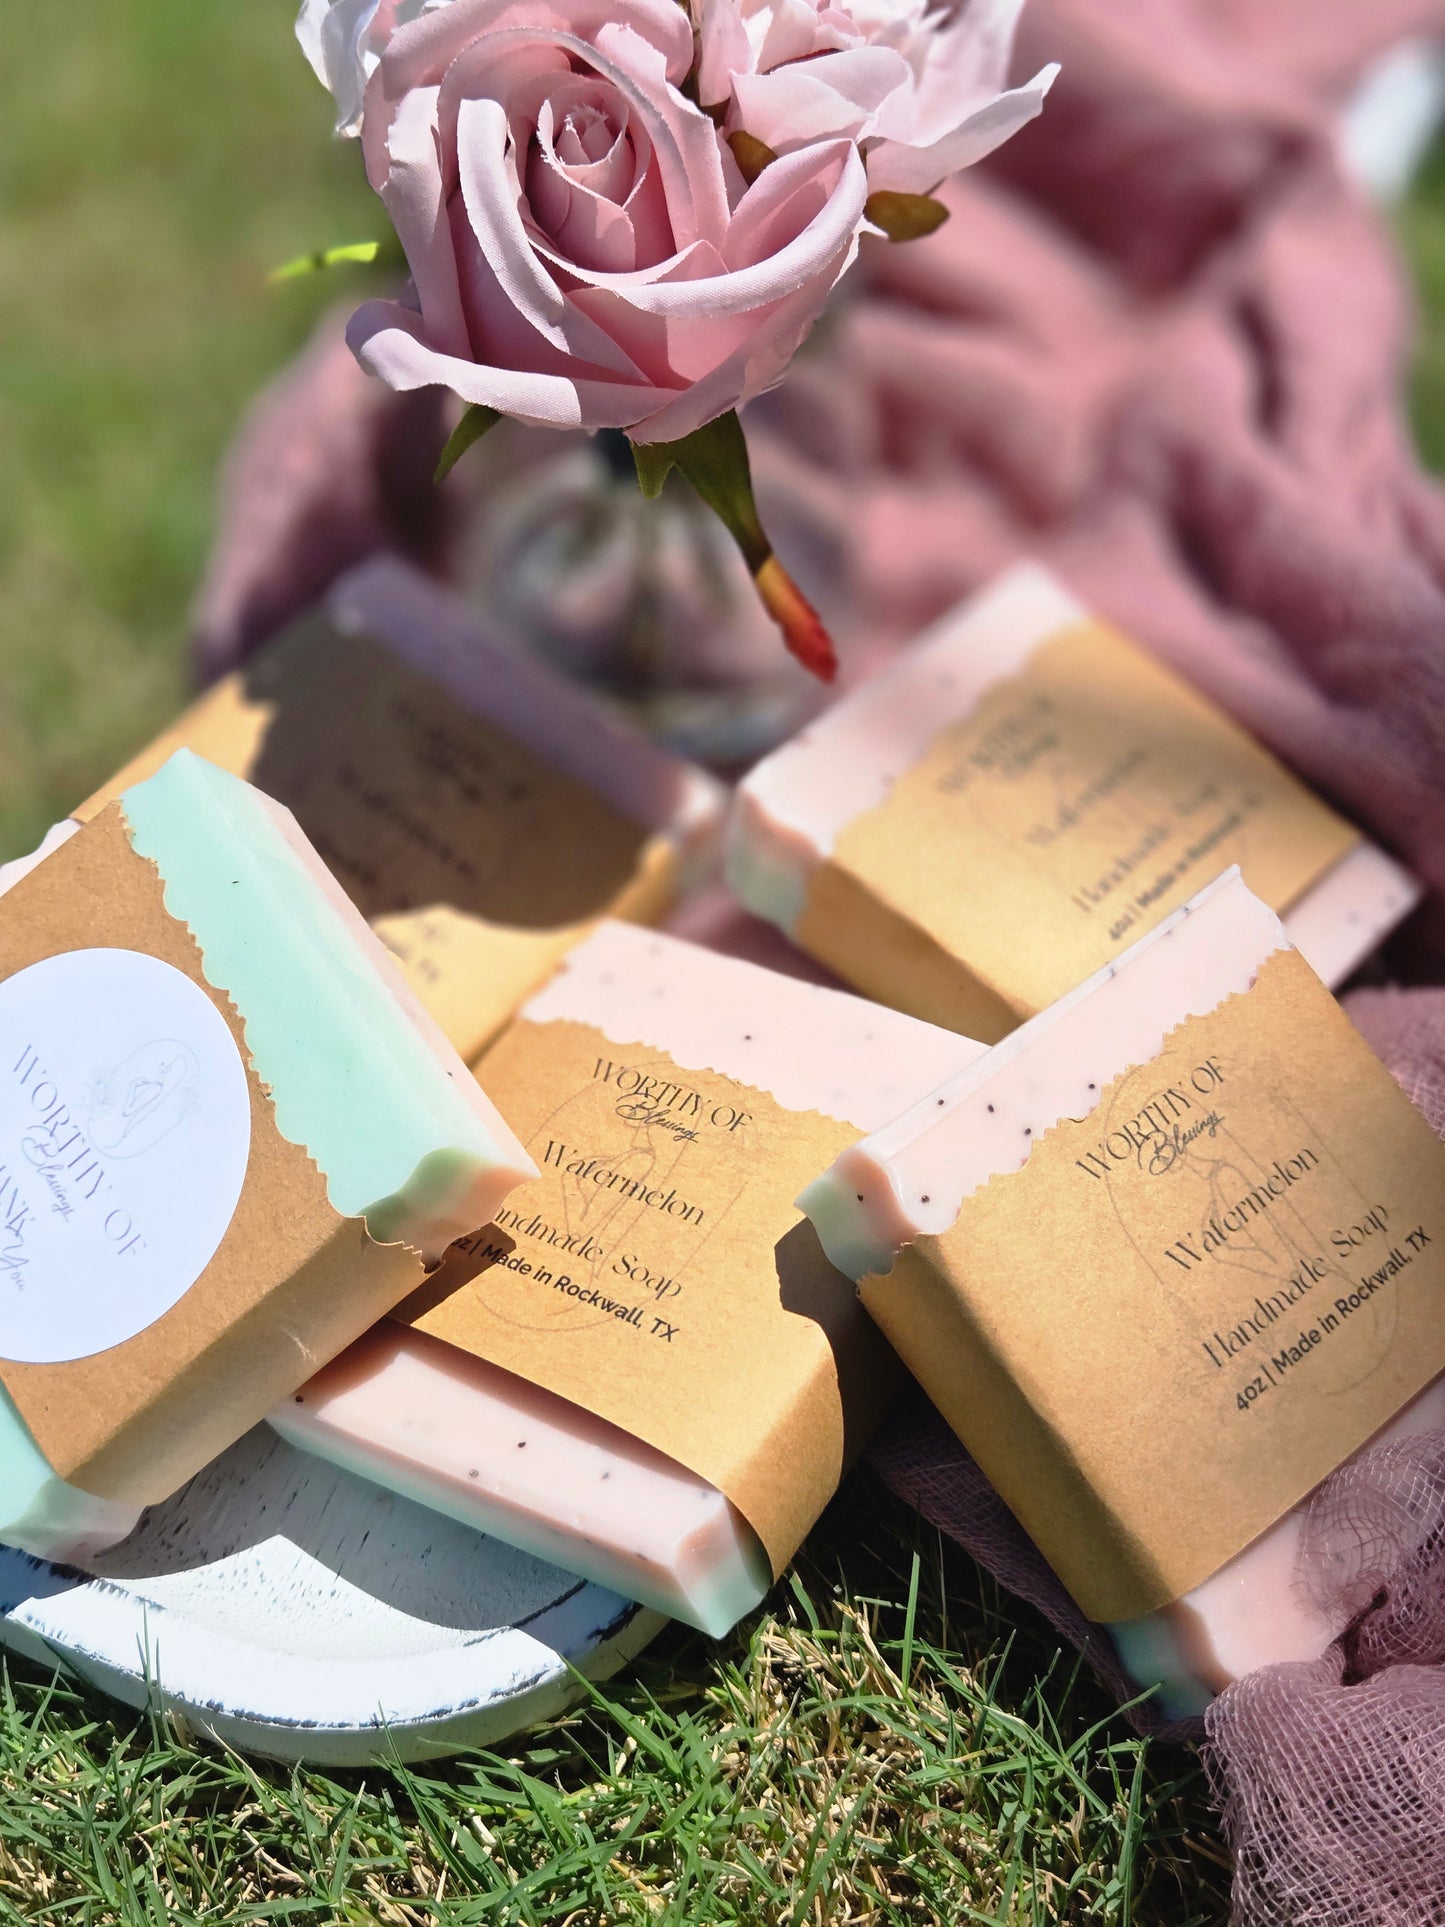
point(230, 1139)
point(645, 1370)
point(482, 811)
point(1019, 797)
point(1164, 1258)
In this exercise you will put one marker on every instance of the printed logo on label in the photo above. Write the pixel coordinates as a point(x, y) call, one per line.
point(125, 1127)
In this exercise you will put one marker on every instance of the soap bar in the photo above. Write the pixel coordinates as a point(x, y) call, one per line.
point(440, 1426)
point(230, 1138)
point(482, 811)
point(655, 1287)
point(1259, 1324)
point(1016, 799)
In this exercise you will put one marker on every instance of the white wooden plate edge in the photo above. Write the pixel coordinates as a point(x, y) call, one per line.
point(144, 1656)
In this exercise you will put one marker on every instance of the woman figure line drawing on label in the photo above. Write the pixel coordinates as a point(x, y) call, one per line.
point(142, 1100)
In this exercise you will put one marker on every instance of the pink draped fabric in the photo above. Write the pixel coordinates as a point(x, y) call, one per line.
point(1160, 344)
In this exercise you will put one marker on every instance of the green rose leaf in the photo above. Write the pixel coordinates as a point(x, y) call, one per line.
point(471, 428)
point(363, 254)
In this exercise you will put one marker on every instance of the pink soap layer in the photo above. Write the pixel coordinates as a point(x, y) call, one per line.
point(912, 1177)
point(791, 809)
point(1252, 1612)
point(430, 1421)
point(454, 1433)
point(1349, 913)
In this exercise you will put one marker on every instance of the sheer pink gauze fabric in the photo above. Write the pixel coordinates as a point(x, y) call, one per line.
point(1331, 1775)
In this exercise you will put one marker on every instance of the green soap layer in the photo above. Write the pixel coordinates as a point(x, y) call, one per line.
point(41, 1513)
point(351, 1076)
point(1150, 1654)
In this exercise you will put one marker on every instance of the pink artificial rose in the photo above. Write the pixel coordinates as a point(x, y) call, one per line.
point(343, 40)
point(583, 248)
point(922, 88)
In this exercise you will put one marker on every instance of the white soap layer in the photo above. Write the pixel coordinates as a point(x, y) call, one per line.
point(433, 1422)
point(21, 866)
point(1348, 914)
point(911, 1179)
point(791, 809)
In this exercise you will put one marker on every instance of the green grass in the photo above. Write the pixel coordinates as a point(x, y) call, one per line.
point(884, 1744)
point(157, 159)
point(1422, 229)
point(888, 1742)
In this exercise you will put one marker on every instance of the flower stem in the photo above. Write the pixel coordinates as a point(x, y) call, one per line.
point(714, 459)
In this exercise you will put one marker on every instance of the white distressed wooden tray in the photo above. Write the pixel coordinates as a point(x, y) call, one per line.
point(294, 1611)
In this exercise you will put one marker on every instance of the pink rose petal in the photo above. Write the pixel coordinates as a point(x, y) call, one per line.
point(835, 96)
point(918, 170)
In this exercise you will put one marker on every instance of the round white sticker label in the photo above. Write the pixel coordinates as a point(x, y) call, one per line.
point(125, 1126)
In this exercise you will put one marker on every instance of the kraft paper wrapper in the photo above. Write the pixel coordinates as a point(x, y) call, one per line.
point(773, 1376)
point(1081, 802)
point(292, 1283)
point(477, 862)
point(1103, 1385)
